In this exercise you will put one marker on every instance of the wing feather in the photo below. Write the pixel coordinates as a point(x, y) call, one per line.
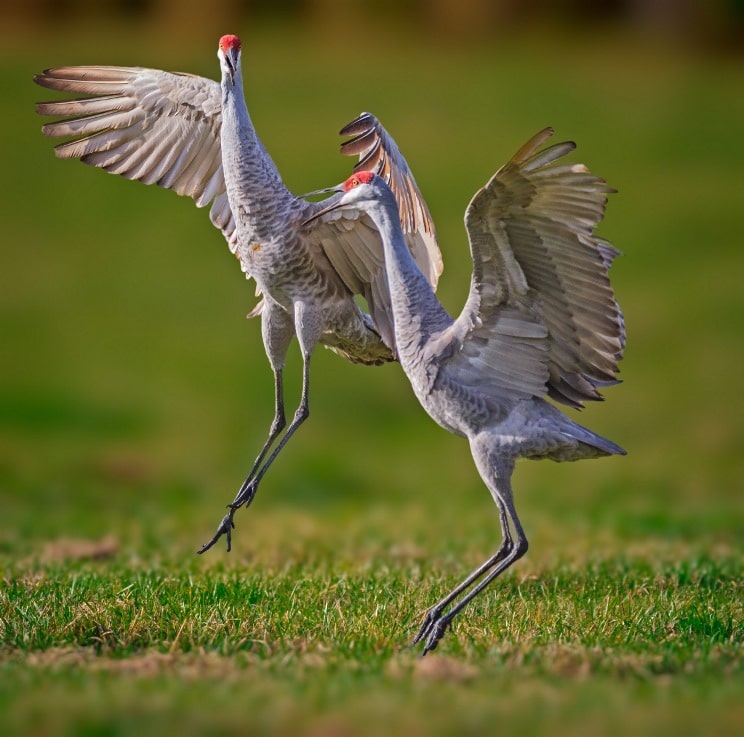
point(145, 124)
point(351, 241)
point(378, 152)
point(164, 128)
point(535, 255)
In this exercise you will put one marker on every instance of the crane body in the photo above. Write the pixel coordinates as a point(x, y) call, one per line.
point(540, 319)
point(195, 136)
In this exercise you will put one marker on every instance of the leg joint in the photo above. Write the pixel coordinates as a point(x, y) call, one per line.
point(520, 547)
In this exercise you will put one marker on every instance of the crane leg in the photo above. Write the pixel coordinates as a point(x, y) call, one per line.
point(227, 525)
point(308, 323)
point(249, 487)
point(277, 425)
point(436, 621)
point(277, 330)
point(435, 613)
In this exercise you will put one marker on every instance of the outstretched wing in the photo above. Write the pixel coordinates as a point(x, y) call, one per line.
point(156, 127)
point(378, 152)
point(541, 314)
point(351, 241)
point(164, 128)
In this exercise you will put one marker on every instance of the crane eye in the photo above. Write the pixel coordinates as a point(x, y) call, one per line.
point(355, 182)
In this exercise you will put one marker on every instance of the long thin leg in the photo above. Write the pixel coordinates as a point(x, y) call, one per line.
point(439, 627)
point(277, 330)
point(435, 612)
point(227, 525)
point(278, 424)
point(307, 324)
point(496, 472)
point(250, 485)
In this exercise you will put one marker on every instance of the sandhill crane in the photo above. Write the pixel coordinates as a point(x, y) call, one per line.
point(195, 136)
point(541, 319)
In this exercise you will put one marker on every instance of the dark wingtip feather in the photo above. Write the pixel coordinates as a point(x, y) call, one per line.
point(359, 143)
point(360, 124)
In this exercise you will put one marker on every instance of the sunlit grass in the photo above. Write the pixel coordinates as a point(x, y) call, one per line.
point(317, 642)
point(670, 617)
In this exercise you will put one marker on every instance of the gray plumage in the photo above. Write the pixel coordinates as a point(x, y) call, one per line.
point(540, 320)
point(195, 136)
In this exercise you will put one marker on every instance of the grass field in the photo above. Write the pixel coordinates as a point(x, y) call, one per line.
point(133, 397)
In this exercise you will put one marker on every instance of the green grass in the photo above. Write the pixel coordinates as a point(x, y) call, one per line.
point(614, 614)
point(133, 396)
point(316, 642)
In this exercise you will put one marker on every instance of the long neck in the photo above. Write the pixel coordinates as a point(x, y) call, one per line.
point(417, 313)
point(251, 176)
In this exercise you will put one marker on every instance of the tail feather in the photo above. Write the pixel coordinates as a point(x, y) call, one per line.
point(571, 441)
point(593, 444)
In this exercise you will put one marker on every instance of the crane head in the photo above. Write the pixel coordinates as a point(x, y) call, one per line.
point(351, 192)
point(362, 177)
point(228, 53)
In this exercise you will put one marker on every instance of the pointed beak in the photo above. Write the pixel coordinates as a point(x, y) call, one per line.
point(230, 68)
point(325, 190)
point(230, 63)
point(332, 203)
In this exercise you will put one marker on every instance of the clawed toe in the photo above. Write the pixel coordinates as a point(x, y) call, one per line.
point(429, 620)
point(225, 527)
point(436, 632)
point(432, 630)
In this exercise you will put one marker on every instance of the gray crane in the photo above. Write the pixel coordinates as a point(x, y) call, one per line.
point(195, 136)
point(540, 319)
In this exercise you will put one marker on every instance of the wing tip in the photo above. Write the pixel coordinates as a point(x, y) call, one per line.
point(362, 122)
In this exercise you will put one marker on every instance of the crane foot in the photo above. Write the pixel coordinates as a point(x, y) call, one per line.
point(436, 633)
point(432, 630)
point(430, 620)
point(226, 526)
point(245, 495)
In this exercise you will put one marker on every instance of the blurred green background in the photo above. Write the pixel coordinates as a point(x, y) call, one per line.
point(131, 384)
point(134, 394)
